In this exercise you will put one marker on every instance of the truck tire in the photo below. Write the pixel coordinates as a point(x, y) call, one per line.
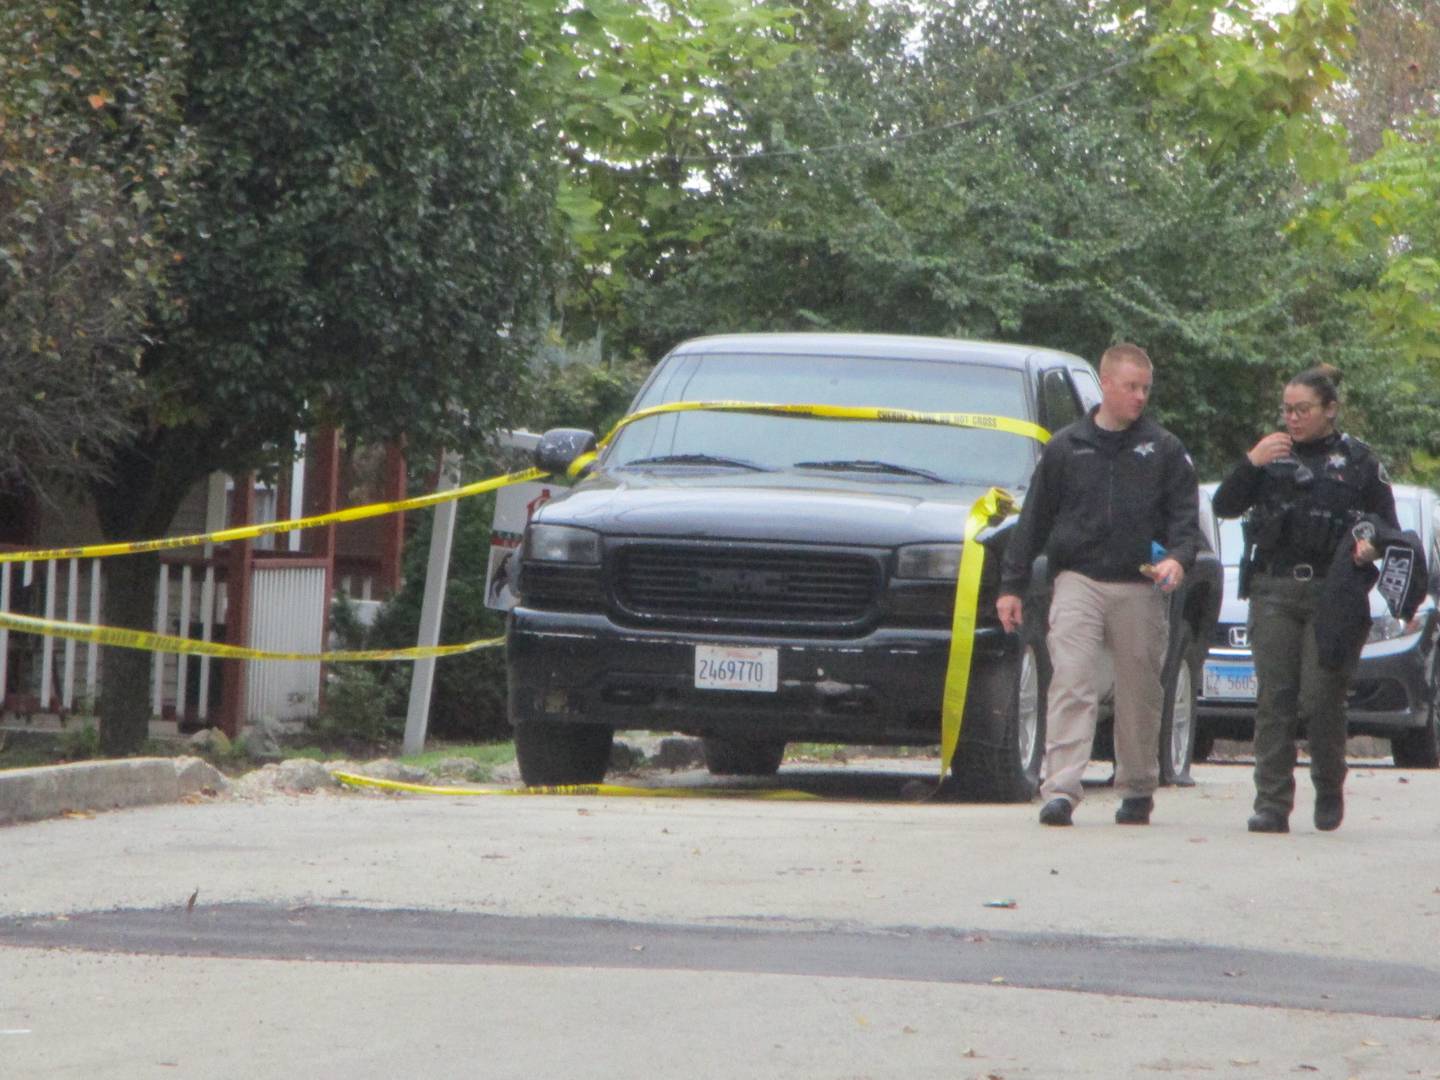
point(1177, 714)
point(725, 756)
point(552, 754)
point(1002, 737)
point(1420, 748)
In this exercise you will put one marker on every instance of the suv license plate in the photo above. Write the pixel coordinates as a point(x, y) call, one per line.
point(725, 667)
point(1234, 682)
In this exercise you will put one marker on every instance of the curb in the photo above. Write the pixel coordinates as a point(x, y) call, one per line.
point(49, 791)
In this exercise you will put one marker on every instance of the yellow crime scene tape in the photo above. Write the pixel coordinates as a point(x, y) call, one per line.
point(168, 643)
point(990, 508)
point(619, 790)
point(249, 532)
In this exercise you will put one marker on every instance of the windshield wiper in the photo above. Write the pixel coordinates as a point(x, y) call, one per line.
point(871, 466)
point(697, 459)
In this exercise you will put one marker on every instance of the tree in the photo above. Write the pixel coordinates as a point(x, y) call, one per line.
point(94, 162)
point(367, 246)
point(1003, 171)
point(639, 91)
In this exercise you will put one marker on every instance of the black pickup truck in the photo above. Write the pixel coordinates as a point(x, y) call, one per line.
point(758, 579)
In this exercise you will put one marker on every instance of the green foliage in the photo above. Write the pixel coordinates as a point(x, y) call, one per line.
point(95, 164)
point(638, 90)
point(1383, 210)
point(1038, 194)
point(360, 707)
point(371, 244)
point(573, 392)
point(468, 697)
point(80, 744)
point(365, 241)
point(1241, 75)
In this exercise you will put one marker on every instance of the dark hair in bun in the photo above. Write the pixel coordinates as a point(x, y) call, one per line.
point(1324, 379)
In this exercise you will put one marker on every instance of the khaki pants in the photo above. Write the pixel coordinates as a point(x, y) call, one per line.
point(1132, 620)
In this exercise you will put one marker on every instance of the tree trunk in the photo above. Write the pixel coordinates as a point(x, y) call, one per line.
point(138, 501)
point(125, 698)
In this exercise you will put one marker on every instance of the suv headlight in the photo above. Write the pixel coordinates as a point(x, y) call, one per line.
point(928, 562)
point(1385, 628)
point(562, 544)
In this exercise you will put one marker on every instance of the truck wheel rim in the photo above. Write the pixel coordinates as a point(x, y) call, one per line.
point(1029, 707)
point(1182, 718)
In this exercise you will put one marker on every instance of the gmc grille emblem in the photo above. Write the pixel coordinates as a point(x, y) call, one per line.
point(1240, 637)
point(740, 582)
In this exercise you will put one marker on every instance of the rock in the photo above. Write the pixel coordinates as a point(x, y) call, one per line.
point(456, 768)
point(197, 776)
point(677, 752)
point(386, 769)
point(210, 740)
point(625, 758)
point(301, 774)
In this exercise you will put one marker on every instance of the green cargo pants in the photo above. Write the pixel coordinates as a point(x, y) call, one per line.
point(1294, 690)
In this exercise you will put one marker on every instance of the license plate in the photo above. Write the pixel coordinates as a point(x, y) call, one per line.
point(726, 667)
point(1230, 681)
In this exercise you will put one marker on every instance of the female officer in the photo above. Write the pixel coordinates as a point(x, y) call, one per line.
point(1303, 488)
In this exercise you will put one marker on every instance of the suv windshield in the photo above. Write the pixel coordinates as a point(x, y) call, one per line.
point(956, 455)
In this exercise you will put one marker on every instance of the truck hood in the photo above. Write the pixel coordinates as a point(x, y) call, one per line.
point(781, 507)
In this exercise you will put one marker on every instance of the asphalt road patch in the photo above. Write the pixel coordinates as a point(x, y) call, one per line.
point(1097, 965)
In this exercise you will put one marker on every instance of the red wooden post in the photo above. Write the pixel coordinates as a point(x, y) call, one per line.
point(238, 575)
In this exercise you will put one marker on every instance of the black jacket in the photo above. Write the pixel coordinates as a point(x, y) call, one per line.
point(1342, 617)
point(1298, 517)
point(1098, 500)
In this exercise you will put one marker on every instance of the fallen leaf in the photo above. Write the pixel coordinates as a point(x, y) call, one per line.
point(1307, 1068)
point(998, 979)
point(1234, 974)
point(908, 1030)
point(1370, 1042)
point(98, 101)
point(970, 1053)
point(1244, 1061)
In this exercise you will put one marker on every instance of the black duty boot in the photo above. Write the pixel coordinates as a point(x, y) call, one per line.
point(1135, 811)
point(1269, 821)
point(1329, 811)
point(1056, 812)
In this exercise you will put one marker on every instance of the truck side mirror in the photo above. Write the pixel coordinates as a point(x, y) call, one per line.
point(558, 447)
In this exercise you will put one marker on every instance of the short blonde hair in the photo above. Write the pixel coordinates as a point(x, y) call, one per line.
point(1124, 353)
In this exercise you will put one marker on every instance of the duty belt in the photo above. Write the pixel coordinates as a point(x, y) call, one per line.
point(1299, 571)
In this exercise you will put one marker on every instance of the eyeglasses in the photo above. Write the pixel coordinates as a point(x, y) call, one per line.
point(1302, 409)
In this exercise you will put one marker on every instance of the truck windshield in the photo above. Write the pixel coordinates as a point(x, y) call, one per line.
point(956, 455)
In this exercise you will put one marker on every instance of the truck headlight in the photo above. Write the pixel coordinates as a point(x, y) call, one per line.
point(562, 544)
point(928, 562)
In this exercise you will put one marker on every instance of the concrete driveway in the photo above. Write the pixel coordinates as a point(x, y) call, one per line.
point(368, 935)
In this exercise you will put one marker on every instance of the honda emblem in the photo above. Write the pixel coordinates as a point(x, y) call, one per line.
point(1239, 637)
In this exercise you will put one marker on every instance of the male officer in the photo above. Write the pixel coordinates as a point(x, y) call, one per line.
point(1107, 487)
